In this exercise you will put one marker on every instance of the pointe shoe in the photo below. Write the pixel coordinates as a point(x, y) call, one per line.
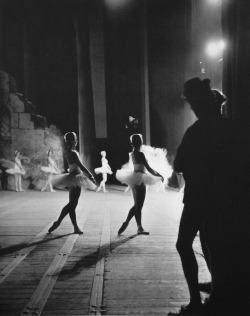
point(122, 228)
point(78, 231)
point(141, 231)
point(52, 191)
point(54, 226)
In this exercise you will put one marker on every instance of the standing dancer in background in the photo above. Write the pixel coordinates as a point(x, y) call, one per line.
point(104, 170)
point(137, 180)
point(79, 176)
point(17, 171)
point(50, 170)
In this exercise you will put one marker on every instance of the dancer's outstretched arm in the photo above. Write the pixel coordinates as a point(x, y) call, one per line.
point(77, 160)
point(152, 171)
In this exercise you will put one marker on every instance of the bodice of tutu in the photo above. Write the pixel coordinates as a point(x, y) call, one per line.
point(105, 168)
point(74, 169)
point(51, 168)
point(139, 167)
point(75, 178)
point(134, 171)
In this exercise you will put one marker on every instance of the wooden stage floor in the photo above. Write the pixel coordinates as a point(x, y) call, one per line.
point(97, 273)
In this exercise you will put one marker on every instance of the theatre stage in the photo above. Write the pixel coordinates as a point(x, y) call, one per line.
point(95, 273)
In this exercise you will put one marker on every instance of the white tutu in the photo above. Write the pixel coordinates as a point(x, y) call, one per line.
point(16, 170)
point(157, 160)
point(49, 170)
point(68, 180)
point(75, 178)
point(103, 170)
point(7, 163)
point(132, 178)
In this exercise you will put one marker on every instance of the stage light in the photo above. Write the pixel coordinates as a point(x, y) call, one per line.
point(221, 44)
point(215, 48)
point(214, 2)
point(116, 4)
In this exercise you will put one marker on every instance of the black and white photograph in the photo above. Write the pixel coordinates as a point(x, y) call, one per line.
point(124, 157)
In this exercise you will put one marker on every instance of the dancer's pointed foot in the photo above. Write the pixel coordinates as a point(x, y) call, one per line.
point(122, 228)
point(77, 230)
point(21, 190)
point(43, 189)
point(141, 231)
point(52, 191)
point(54, 226)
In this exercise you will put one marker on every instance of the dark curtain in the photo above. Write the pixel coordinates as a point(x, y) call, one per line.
point(85, 93)
point(166, 57)
point(38, 50)
point(122, 38)
point(230, 266)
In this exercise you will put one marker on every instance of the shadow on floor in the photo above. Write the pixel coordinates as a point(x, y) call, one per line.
point(91, 259)
point(18, 247)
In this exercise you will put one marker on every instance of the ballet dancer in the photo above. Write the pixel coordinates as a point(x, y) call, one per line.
point(79, 176)
point(137, 180)
point(104, 170)
point(17, 171)
point(50, 170)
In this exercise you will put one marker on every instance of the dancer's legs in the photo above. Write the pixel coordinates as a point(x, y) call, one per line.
point(20, 183)
point(139, 193)
point(102, 184)
point(16, 183)
point(49, 183)
point(46, 183)
point(139, 197)
point(74, 194)
point(189, 225)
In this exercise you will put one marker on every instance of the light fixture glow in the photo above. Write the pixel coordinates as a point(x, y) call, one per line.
point(214, 2)
point(215, 48)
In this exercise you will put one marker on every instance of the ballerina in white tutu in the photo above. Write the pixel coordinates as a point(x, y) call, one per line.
point(157, 159)
point(50, 170)
point(79, 176)
point(17, 171)
point(104, 170)
point(137, 179)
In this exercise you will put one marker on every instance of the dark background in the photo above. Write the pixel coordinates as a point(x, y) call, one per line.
point(38, 48)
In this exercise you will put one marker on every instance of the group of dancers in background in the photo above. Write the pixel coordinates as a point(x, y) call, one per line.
point(79, 176)
point(147, 166)
point(50, 170)
point(18, 171)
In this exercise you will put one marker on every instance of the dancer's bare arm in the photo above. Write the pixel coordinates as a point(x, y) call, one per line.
point(152, 171)
point(76, 159)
